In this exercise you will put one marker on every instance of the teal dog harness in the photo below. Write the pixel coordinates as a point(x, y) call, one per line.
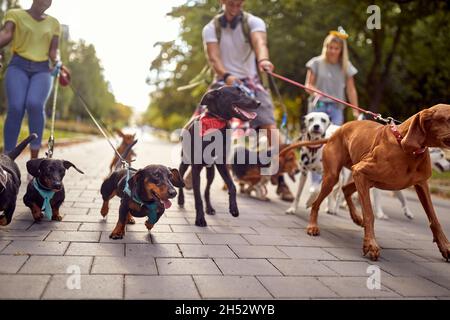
point(47, 195)
point(151, 207)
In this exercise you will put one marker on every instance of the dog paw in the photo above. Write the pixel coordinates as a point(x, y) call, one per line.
point(131, 221)
point(57, 218)
point(200, 222)
point(210, 211)
point(291, 210)
point(116, 236)
point(38, 217)
point(371, 247)
point(331, 212)
point(313, 230)
point(104, 211)
point(234, 212)
point(445, 250)
point(382, 216)
point(148, 225)
point(408, 213)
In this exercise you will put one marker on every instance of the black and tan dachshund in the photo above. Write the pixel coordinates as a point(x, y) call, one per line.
point(222, 104)
point(45, 192)
point(10, 181)
point(144, 193)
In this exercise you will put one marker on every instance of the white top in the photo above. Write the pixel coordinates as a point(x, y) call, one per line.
point(234, 48)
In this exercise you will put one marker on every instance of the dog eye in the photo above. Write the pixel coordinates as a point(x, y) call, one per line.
point(324, 121)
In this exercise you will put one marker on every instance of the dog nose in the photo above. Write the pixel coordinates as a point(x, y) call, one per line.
point(316, 127)
point(172, 193)
point(258, 103)
point(57, 185)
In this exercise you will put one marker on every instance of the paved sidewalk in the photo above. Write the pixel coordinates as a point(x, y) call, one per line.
point(263, 254)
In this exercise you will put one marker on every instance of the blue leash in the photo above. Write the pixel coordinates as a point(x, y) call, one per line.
point(47, 195)
point(151, 207)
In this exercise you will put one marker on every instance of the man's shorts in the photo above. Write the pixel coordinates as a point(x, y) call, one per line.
point(264, 113)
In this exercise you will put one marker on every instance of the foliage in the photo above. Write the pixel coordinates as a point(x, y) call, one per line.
point(403, 67)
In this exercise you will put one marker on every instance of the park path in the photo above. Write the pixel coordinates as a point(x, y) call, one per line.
point(263, 254)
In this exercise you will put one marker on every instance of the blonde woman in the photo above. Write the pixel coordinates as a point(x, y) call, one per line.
point(332, 73)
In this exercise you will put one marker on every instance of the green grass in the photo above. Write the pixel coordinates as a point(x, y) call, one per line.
point(59, 134)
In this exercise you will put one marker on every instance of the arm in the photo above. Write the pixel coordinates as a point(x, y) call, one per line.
point(352, 95)
point(7, 33)
point(259, 42)
point(214, 59)
point(53, 51)
point(310, 81)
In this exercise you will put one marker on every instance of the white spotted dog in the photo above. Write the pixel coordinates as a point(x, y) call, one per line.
point(318, 126)
point(438, 163)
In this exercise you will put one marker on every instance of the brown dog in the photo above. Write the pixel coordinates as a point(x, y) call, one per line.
point(127, 139)
point(386, 158)
point(249, 175)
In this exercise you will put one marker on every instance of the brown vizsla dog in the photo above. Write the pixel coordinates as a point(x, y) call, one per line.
point(379, 158)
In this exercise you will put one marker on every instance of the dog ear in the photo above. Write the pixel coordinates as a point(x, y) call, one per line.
point(68, 164)
point(132, 183)
point(210, 97)
point(119, 132)
point(176, 178)
point(415, 138)
point(33, 166)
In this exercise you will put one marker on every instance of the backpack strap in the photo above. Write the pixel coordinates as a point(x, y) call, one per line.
point(218, 27)
point(246, 28)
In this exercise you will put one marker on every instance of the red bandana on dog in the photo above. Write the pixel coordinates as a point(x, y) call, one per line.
point(209, 122)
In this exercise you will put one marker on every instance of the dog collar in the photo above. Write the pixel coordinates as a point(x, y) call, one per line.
point(398, 136)
point(210, 123)
point(151, 207)
point(47, 195)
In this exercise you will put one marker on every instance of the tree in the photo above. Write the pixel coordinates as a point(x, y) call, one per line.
point(402, 67)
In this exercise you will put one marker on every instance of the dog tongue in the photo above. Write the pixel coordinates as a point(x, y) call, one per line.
point(167, 204)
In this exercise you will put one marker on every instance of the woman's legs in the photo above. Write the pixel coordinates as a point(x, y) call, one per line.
point(16, 84)
point(38, 93)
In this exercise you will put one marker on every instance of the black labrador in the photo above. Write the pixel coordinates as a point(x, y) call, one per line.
point(222, 105)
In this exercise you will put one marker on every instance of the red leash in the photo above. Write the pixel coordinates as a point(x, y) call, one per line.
point(376, 116)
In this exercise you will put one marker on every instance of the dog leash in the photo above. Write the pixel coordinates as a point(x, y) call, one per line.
point(283, 125)
point(376, 116)
point(51, 140)
point(102, 130)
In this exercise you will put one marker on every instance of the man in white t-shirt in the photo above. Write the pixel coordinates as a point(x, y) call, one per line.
point(235, 60)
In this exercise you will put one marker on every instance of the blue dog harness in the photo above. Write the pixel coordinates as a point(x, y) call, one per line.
point(151, 207)
point(47, 195)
